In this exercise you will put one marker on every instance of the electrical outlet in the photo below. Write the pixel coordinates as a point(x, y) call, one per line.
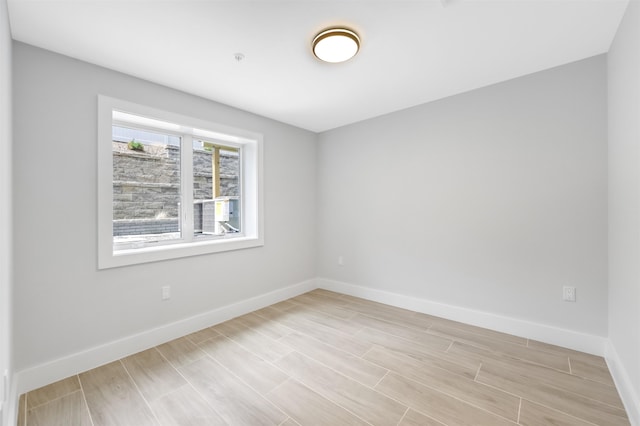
point(569, 293)
point(166, 292)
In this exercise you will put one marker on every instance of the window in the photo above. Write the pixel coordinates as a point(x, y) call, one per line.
point(172, 186)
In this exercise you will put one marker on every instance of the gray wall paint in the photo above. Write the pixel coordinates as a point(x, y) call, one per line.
point(491, 200)
point(63, 304)
point(5, 199)
point(624, 193)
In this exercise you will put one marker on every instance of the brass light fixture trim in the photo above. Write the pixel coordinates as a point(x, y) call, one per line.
point(336, 45)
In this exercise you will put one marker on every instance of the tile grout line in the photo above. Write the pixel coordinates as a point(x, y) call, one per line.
point(260, 394)
point(429, 417)
point(248, 349)
point(316, 309)
point(388, 396)
point(551, 408)
point(289, 377)
point(249, 327)
point(562, 412)
point(569, 361)
point(379, 381)
point(554, 386)
point(500, 354)
point(519, 410)
point(328, 343)
point(153, 413)
point(475, 378)
point(403, 416)
point(429, 351)
point(204, 398)
point(450, 346)
point(286, 420)
point(84, 398)
point(325, 397)
point(56, 399)
point(454, 397)
point(413, 327)
point(340, 374)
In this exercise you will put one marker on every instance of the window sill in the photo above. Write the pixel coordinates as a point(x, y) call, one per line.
point(176, 251)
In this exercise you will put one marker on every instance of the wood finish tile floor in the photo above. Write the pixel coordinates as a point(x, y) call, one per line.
point(323, 358)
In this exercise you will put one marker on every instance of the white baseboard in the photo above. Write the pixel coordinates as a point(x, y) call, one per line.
point(557, 336)
point(628, 394)
point(11, 406)
point(61, 368)
point(55, 370)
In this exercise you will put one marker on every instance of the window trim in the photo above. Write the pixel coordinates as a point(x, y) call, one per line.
point(251, 178)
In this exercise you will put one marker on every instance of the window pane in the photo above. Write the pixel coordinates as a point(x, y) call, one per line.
point(216, 189)
point(146, 187)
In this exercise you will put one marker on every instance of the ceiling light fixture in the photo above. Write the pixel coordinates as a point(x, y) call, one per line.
point(336, 45)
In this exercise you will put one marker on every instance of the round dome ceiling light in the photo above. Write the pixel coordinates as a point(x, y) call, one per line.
point(336, 45)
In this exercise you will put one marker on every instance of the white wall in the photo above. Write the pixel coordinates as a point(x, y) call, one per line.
point(5, 210)
point(491, 200)
point(624, 200)
point(63, 304)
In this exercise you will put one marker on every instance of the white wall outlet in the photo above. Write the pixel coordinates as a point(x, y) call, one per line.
point(569, 293)
point(340, 261)
point(166, 292)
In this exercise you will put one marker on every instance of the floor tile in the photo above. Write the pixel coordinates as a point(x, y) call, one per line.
point(269, 328)
point(113, 399)
point(310, 408)
point(559, 362)
point(439, 406)
point(327, 305)
point(551, 396)
point(263, 346)
point(346, 363)
point(53, 391)
point(236, 402)
point(185, 407)
point(202, 335)
point(324, 358)
point(458, 386)
point(152, 374)
point(491, 334)
point(327, 335)
point(22, 410)
point(413, 418)
point(361, 400)
point(426, 348)
point(389, 313)
point(589, 370)
point(181, 351)
point(325, 318)
point(69, 410)
point(380, 355)
point(256, 372)
point(536, 374)
point(532, 414)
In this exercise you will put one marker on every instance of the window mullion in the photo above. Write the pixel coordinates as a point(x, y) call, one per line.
point(186, 187)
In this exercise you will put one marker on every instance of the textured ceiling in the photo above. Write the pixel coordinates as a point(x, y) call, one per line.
point(412, 51)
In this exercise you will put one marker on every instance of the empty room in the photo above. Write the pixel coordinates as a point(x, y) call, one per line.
point(320, 212)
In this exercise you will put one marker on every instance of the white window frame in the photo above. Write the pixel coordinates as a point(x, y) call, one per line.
point(251, 181)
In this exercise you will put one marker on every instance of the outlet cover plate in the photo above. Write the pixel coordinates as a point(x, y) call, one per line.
point(569, 293)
